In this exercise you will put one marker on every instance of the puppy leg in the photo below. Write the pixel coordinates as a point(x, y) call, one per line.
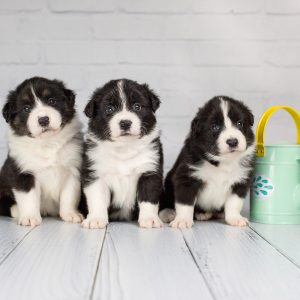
point(233, 207)
point(149, 191)
point(69, 200)
point(234, 204)
point(186, 189)
point(28, 207)
point(98, 198)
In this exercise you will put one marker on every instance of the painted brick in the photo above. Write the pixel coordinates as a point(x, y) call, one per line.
point(82, 6)
point(124, 26)
point(81, 53)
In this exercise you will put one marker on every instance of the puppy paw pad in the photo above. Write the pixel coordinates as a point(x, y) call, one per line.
point(152, 222)
point(182, 223)
point(72, 217)
point(237, 221)
point(96, 223)
point(30, 221)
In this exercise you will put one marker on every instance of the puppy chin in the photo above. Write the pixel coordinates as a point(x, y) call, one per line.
point(232, 152)
point(126, 136)
point(45, 132)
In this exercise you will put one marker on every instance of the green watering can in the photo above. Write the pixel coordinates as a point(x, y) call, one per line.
point(275, 190)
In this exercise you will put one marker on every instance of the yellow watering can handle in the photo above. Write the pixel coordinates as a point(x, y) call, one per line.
point(260, 132)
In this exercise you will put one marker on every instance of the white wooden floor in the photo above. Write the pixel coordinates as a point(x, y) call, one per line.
point(211, 261)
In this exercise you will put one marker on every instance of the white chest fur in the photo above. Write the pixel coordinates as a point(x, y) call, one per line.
point(219, 180)
point(120, 165)
point(50, 160)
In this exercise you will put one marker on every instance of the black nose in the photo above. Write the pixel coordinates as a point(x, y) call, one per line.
point(232, 143)
point(44, 121)
point(125, 124)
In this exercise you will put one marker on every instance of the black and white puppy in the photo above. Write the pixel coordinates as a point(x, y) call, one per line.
point(213, 170)
point(123, 161)
point(41, 175)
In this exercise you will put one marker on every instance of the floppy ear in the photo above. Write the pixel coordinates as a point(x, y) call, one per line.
point(90, 109)
point(71, 96)
point(68, 93)
point(195, 127)
point(155, 102)
point(251, 118)
point(6, 112)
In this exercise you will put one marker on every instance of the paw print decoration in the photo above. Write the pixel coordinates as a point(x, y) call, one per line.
point(262, 186)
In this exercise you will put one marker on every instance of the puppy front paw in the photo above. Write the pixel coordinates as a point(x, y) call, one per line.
point(182, 223)
point(72, 217)
point(94, 223)
point(30, 221)
point(150, 222)
point(237, 221)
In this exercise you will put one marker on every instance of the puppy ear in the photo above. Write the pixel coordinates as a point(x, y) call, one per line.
point(68, 93)
point(155, 101)
point(90, 109)
point(6, 112)
point(251, 118)
point(71, 96)
point(9, 107)
point(196, 123)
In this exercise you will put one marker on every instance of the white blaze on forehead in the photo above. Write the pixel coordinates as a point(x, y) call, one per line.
point(36, 99)
point(121, 91)
point(225, 108)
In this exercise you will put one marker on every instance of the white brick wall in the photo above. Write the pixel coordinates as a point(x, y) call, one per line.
point(187, 50)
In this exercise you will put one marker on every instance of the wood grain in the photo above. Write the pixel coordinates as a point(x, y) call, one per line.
point(147, 264)
point(239, 264)
point(57, 260)
point(11, 235)
point(285, 238)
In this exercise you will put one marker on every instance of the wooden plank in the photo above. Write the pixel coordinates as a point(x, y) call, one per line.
point(147, 264)
point(285, 238)
point(56, 261)
point(239, 264)
point(11, 235)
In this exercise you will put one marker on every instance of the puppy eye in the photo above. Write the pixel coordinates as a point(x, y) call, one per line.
point(239, 124)
point(52, 101)
point(215, 127)
point(110, 109)
point(137, 107)
point(27, 108)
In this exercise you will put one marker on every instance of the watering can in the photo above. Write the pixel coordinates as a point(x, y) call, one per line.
point(275, 190)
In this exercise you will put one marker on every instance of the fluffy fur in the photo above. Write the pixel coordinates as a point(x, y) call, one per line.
point(122, 168)
point(212, 173)
point(41, 175)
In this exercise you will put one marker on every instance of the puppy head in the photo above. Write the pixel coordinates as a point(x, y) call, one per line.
point(224, 127)
point(122, 110)
point(39, 107)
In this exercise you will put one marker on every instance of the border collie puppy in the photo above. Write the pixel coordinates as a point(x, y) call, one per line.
point(211, 176)
point(122, 168)
point(41, 175)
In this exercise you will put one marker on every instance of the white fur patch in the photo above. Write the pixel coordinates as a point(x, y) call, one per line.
point(55, 162)
point(184, 216)
point(148, 216)
point(119, 165)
